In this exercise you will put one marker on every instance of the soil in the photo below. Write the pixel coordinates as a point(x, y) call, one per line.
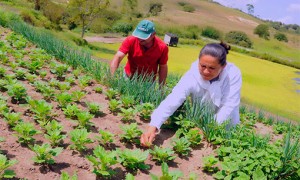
point(109, 40)
point(71, 161)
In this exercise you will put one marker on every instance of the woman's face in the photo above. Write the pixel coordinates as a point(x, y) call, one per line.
point(209, 67)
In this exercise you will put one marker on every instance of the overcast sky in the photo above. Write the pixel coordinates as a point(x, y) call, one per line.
point(286, 11)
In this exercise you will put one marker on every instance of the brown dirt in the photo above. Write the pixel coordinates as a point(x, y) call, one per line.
point(109, 40)
point(71, 161)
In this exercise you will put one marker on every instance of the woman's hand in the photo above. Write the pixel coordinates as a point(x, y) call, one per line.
point(148, 137)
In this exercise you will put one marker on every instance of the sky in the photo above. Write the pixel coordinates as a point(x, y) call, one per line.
point(285, 11)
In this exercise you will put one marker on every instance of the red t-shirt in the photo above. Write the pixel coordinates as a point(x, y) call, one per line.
point(142, 61)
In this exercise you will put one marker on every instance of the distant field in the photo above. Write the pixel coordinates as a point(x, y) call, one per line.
point(266, 85)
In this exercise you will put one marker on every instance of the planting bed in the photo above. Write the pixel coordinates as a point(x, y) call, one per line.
point(71, 160)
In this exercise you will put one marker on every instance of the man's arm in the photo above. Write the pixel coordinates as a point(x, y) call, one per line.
point(162, 73)
point(114, 64)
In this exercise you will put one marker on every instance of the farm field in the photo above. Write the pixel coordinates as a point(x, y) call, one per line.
point(44, 101)
point(266, 85)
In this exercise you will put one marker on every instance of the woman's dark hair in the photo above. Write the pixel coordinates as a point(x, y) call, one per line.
point(217, 50)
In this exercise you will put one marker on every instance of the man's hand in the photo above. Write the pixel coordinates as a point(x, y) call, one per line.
point(148, 137)
point(114, 64)
point(162, 74)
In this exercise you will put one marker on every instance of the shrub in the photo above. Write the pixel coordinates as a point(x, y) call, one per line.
point(155, 8)
point(211, 32)
point(192, 32)
point(262, 30)
point(280, 37)
point(188, 8)
point(239, 38)
point(123, 27)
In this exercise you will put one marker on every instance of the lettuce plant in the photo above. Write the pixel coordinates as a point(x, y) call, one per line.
point(78, 95)
point(63, 99)
point(84, 81)
point(84, 118)
point(71, 80)
point(181, 146)
point(45, 153)
point(64, 86)
point(30, 77)
point(127, 114)
point(98, 89)
point(55, 137)
point(133, 159)
point(146, 110)
point(4, 164)
point(131, 133)
point(17, 91)
point(102, 161)
point(34, 66)
point(194, 137)
point(166, 174)
point(60, 70)
point(209, 163)
point(3, 107)
point(43, 74)
point(105, 137)
point(66, 176)
point(113, 105)
point(94, 108)
point(2, 71)
point(53, 125)
point(25, 132)
point(20, 74)
point(12, 118)
point(111, 94)
point(127, 101)
point(79, 138)
point(71, 110)
point(42, 111)
point(161, 154)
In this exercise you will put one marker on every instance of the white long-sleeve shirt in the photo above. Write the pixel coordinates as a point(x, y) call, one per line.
point(223, 93)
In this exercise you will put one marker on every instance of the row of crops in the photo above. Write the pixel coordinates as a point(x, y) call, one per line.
point(29, 74)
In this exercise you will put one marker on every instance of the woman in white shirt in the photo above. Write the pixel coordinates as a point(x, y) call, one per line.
point(210, 78)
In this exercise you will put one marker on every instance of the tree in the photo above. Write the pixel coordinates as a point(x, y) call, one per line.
point(281, 37)
point(250, 8)
point(262, 30)
point(85, 11)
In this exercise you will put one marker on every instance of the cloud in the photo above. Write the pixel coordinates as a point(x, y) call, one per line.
point(294, 8)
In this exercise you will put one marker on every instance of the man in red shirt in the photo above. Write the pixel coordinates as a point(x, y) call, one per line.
point(147, 54)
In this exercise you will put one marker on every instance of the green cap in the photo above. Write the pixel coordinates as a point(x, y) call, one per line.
point(144, 29)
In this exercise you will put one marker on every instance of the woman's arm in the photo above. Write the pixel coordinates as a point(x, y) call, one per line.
point(232, 99)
